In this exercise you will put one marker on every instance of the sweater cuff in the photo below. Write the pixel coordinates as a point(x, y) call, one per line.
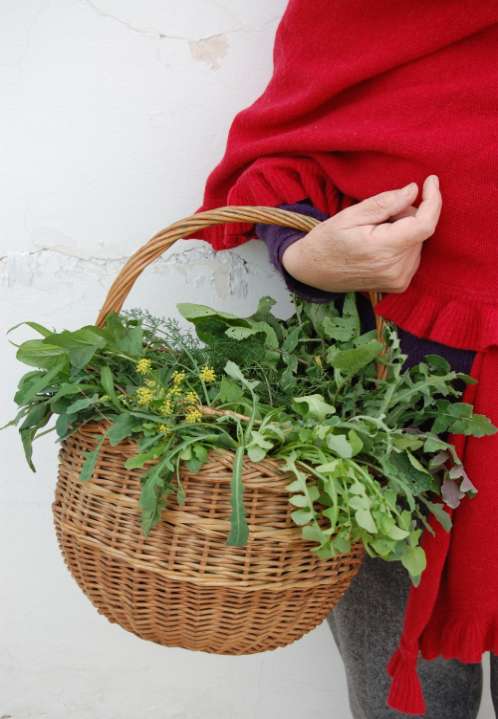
point(278, 239)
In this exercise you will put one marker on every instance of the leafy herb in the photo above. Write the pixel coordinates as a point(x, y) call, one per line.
point(369, 455)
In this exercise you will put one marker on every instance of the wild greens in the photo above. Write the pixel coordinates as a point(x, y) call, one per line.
point(369, 455)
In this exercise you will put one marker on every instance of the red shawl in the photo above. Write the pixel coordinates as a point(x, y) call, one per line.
point(370, 96)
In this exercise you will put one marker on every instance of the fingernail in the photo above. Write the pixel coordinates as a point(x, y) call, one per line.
point(408, 188)
point(435, 180)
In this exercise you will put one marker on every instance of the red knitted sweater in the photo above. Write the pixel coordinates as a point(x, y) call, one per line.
point(370, 96)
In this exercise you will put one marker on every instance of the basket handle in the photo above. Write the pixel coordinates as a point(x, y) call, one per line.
point(185, 227)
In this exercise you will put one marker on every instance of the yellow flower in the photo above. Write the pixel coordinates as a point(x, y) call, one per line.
point(174, 391)
point(178, 377)
point(144, 365)
point(164, 428)
point(151, 383)
point(193, 415)
point(207, 374)
point(166, 408)
point(144, 396)
point(191, 398)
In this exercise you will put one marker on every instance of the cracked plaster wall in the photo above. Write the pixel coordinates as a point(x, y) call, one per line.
point(113, 113)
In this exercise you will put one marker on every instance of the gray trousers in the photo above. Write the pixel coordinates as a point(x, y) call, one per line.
point(366, 625)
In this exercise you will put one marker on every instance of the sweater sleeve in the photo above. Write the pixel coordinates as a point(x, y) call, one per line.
point(278, 239)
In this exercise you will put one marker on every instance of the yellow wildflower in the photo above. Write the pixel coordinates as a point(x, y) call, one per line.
point(144, 396)
point(207, 374)
point(144, 365)
point(164, 428)
point(191, 398)
point(166, 408)
point(174, 391)
point(193, 415)
point(178, 377)
point(149, 382)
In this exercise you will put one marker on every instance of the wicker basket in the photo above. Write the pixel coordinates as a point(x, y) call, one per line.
point(183, 585)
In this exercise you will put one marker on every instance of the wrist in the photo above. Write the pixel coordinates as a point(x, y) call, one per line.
point(293, 258)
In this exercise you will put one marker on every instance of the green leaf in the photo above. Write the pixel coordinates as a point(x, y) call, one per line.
point(143, 457)
point(107, 382)
point(365, 520)
point(302, 516)
point(258, 446)
point(122, 427)
point(156, 485)
point(239, 531)
point(299, 500)
point(81, 356)
point(291, 341)
point(39, 353)
point(415, 463)
point(441, 515)
point(81, 345)
point(478, 426)
point(39, 383)
point(355, 442)
point(121, 338)
point(38, 416)
point(414, 560)
point(242, 333)
point(233, 370)
point(192, 312)
point(35, 326)
point(27, 437)
point(229, 391)
point(81, 404)
point(351, 361)
point(315, 406)
point(313, 533)
point(339, 445)
point(400, 466)
point(341, 329)
point(350, 310)
point(199, 456)
point(62, 425)
point(90, 462)
point(383, 547)
point(391, 529)
point(433, 444)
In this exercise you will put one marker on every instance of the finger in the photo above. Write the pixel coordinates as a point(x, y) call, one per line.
point(377, 208)
point(418, 226)
point(429, 210)
point(409, 212)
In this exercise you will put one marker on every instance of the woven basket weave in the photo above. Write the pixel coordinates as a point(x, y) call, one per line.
point(183, 585)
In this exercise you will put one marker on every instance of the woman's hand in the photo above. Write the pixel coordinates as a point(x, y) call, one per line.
point(372, 245)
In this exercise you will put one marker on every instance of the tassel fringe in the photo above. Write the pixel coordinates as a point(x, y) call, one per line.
point(406, 694)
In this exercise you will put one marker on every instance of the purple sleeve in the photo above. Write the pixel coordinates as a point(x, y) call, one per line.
point(278, 239)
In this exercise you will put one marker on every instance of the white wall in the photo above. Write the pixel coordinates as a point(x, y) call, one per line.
point(112, 114)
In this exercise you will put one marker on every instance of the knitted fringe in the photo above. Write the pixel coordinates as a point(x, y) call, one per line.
point(465, 639)
point(406, 693)
point(465, 322)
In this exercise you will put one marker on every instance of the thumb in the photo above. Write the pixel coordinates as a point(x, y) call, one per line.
point(378, 208)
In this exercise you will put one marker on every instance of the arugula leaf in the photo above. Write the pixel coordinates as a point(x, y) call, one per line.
point(88, 467)
point(122, 427)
